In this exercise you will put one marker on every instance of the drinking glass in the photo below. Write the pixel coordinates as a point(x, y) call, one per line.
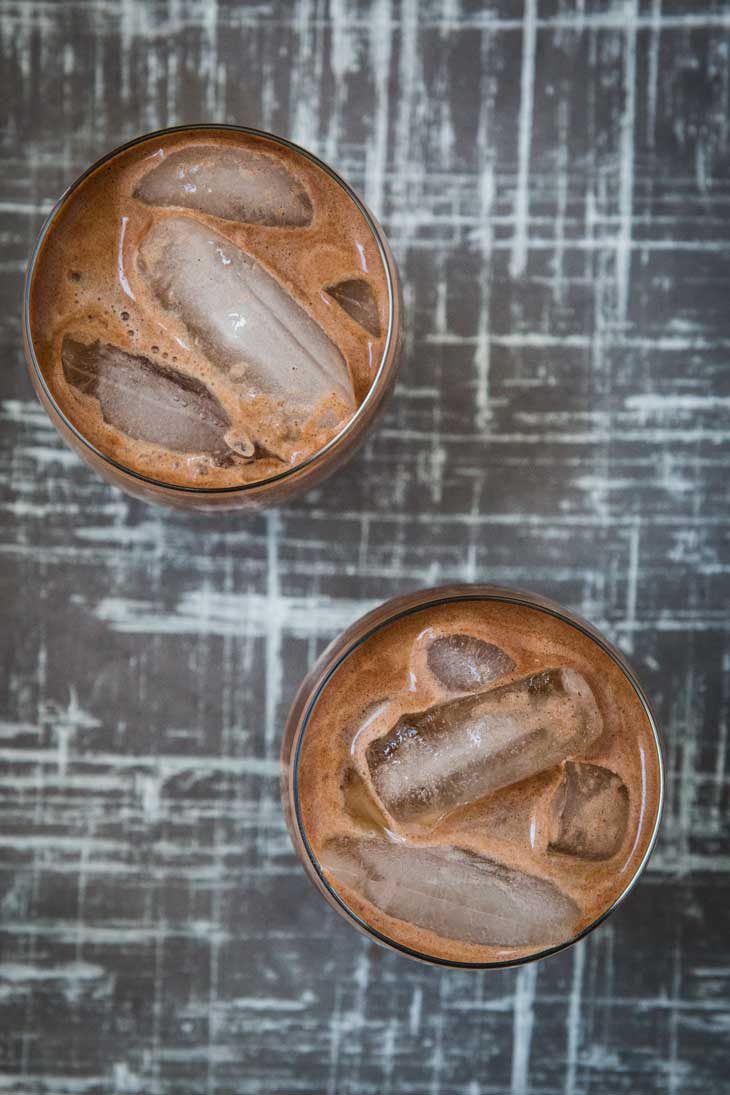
point(323, 675)
point(290, 481)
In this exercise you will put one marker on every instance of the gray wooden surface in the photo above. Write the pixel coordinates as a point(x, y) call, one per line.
point(554, 180)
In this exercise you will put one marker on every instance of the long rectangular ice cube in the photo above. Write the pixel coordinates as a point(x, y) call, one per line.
point(242, 316)
point(456, 893)
point(450, 755)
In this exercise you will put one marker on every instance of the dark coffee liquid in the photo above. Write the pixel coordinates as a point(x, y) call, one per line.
point(479, 781)
point(209, 308)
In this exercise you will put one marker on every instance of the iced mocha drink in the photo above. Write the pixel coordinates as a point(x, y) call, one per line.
point(478, 780)
point(209, 309)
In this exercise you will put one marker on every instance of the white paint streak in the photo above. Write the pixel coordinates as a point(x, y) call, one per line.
point(377, 149)
point(626, 166)
point(22, 973)
point(523, 1022)
point(574, 1018)
point(272, 629)
point(518, 257)
point(414, 1012)
point(653, 76)
point(486, 199)
point(244, 614)
point(632, 586)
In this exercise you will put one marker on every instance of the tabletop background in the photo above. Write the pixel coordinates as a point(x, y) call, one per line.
point(553, 178)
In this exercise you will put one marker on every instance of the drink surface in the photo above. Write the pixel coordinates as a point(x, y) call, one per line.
point(209, 308)
point(479, 781)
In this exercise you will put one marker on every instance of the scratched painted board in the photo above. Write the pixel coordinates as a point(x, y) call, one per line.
point(553, 176)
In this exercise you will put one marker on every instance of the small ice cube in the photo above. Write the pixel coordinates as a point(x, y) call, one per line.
point(453, 892)
point(150, 402)
point(591, 812)
point(358, 299)
point(464, 663)
point(241, 316)
point(450, 755)
point(236, 184)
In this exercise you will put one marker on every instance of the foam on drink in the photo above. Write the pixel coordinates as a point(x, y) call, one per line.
point(478, 781)
point(209, 308)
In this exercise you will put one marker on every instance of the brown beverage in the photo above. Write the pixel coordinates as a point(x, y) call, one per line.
point(479, 780)
point(210, 307)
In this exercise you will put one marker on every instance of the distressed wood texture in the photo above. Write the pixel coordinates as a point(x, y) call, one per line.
point(554, 180)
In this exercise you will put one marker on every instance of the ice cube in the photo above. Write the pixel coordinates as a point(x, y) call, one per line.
point(436, 760)
point(456, 893)
point(236, 184)
point(360, 804)
point(357, 298)
point(518, 814)
point(590, 811)
point(151, 402)
point(464, 663)
point(241, 316)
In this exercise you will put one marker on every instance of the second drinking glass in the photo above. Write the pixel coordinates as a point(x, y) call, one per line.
point(472, 776)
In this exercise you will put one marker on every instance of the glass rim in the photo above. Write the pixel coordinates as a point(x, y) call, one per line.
point(388, 347)
point(419, 601)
